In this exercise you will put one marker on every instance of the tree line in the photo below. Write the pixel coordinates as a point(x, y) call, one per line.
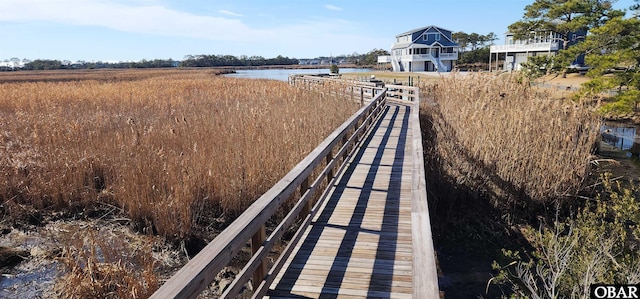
point(230, 60)
point(53, 64)
point(474, 47)
point(202, 60)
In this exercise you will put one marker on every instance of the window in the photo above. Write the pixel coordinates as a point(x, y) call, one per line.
point(431, 36)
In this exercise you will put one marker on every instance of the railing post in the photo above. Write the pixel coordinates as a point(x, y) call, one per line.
point(304, 186)
point(352, 87)
point(361, 95)
point(345, 139)
point(330, 172)
point(256, 242)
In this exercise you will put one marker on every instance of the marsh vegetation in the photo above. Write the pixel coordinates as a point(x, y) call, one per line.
point(175, 154)
point(514, 181)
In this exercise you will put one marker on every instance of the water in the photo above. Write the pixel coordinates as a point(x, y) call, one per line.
point(623, 137)
point(30, 282)
point(283, 74)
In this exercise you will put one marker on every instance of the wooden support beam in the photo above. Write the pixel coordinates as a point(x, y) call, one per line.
point(256, 242)
point(304, 186)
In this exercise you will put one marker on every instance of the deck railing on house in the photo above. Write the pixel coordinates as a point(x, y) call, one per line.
point(548, 46)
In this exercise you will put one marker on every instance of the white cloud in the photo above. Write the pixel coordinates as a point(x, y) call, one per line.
point(149, 19)
point(321, 36)
point(332, 7)
point(226, 12)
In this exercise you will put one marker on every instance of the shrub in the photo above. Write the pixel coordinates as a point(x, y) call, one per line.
point(599, 245)
point(334, 69)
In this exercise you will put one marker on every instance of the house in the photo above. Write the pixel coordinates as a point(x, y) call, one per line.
point(515, 52)
point(425, 49)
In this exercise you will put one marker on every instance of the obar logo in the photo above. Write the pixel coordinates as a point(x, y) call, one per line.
point(601, 291)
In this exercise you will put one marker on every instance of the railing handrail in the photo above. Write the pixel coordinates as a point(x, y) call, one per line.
point(410, 93)
point(425, 276)
point(404, 92)
point(552, 46)
point(294, 78)
point(201, 270)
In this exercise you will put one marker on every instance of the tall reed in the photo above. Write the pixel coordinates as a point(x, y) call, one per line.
point(171, 150)
point(500, 137)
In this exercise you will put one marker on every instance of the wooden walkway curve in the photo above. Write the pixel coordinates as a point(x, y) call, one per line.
point(360, 243)
point(366, 235)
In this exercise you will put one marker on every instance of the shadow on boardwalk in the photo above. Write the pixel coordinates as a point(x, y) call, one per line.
point(379, 281)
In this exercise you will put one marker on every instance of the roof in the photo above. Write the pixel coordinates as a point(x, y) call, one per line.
point(422, 28)
point(400, 45)
point(404, 44)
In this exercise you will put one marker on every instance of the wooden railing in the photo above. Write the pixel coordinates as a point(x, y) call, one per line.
point(358, 90)
point(425, 276)
point(361, 91)
point(307, 177)
point(407, 93)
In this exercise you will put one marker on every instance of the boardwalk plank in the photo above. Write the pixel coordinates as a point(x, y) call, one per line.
point(361, 243)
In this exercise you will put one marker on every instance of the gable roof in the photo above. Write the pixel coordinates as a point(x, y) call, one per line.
point(423, 29)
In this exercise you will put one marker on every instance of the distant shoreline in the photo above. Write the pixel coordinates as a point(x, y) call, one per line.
point(292, 66)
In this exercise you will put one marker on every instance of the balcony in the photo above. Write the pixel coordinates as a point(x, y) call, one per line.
point(449, 56)
point(417, 57)
point(429, 57)
point(533, 47)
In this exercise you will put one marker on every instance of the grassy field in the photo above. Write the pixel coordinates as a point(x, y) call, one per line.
point(171, 149)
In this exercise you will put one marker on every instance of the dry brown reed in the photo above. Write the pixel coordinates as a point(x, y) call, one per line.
point(104, 264)
point(494, 135)
point(171, 150)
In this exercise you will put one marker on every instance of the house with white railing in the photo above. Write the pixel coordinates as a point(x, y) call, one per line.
point(426, 49)
point(516, 51)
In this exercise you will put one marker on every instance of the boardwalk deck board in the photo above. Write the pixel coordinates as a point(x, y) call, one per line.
point(360, 243)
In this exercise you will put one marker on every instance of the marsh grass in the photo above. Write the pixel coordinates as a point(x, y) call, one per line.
point(100, 264)
point(172, 150)
point(500, 157)
point(506, 140)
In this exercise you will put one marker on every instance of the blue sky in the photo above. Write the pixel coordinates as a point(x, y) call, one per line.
point(119, 30)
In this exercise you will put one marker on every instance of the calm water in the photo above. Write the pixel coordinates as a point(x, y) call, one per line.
point(283, 74)
point(622, 136)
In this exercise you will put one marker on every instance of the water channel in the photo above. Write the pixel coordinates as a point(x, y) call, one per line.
point(622, 139)
point(283, 74)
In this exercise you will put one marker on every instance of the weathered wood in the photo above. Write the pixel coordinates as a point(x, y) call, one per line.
point(304, 186)
point(261, 291)
point(373, 251)
point(425, 281)
point(396, 246)
point(257, 242)
point(200, 271)
point(403, 92)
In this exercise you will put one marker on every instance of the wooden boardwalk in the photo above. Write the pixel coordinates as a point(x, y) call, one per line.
point(368, 234)
point(360, 242)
